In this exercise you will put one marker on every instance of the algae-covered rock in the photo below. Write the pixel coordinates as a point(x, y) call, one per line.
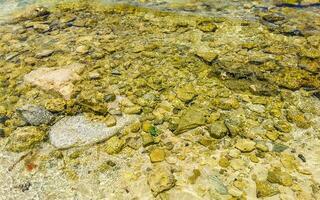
point(114, 145)
point(157, 155)
point(147, 139)
point(190, 119)
point(78, 130)
point(25, 138)
point(226, 103)
point(245, 145)
point(266, 189)
point(276, 175)
point(295, 116)
point(186, 93)
point(35, 115)
point(160, 179)
point(218, 130)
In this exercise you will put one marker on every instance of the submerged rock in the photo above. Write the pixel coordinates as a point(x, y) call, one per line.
point(25, 138)
point(266, 189)
point(190, 119)
point(55, 79)
point(114, 145)
point(218, 130)
point(160, 179)
point(245, 145)
point(276, 175)
point(157, 155)
point(78, 131)
point(35, 115)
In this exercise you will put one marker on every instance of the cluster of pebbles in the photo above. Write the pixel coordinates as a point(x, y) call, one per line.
point(123, 102)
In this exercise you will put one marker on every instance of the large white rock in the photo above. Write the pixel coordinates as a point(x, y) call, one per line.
point(56, 79)
point(77, 131)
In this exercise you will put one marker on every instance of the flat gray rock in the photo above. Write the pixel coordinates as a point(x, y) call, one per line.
point(78, 131)
point(35, 115)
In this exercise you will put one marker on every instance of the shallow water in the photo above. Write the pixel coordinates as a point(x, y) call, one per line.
point(180, 99)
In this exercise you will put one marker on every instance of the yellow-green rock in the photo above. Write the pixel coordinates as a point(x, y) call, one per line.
point(266, 189)
point(25, 138)
point(157, 155)
point(114, 145)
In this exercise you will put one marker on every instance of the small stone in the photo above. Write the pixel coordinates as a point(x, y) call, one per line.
point(206, 54)
point(135, 127)
point(226, 103)
point(160, 179)
point(147, 139)
point(134, 142)
point(186, 93)
point(289, 161)
point(262, 147)
point(245, 145)
point(298, 118)
point(44, 53)
point(157, 155)
point(190, 119)
point(82, 49)
point(132, 110)
point(213, 117)
point(114, 145)
point(25, 138)
point(277, 147)
point(218, 130)
point(283, 126)
point(224, 162)
point(55, 105)
point(41, 28)
point(234, 125)
point(94, 75)
point(207, 26)
point(110, 121)
point(277, 176)
point(146, 126)
point(265, 189)
point(238, 164)
point(272, 135)
point(254, 158)
point(109, 97)
point(35, 115)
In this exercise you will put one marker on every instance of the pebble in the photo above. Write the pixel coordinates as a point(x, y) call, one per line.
point(266, 189)
point(44, 53)
point(114, 145)
point(278, 176)
point(218, 130)
point(245, 145)
point(160, 179)
point(147, 139)
point(157, 155)
point(190, 119)
point(277, 147)
point(35, 115)
point(25, 138)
